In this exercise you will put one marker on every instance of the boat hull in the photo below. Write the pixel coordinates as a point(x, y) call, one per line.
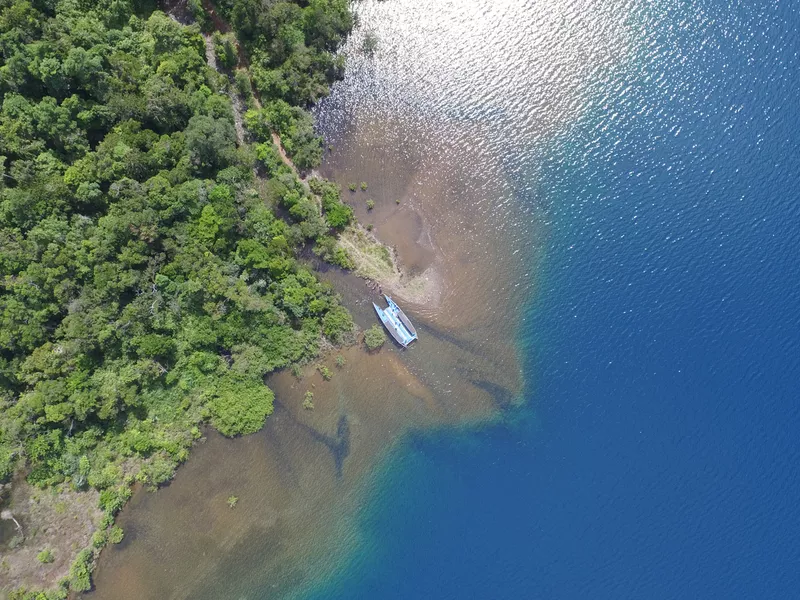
point(395, 325)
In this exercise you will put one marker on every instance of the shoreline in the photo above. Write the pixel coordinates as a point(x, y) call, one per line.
point(301, 480)
point(447, 382)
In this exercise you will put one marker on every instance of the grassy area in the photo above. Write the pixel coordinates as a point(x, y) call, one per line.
point(372, 259)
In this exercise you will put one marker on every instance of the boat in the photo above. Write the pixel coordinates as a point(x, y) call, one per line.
point(396, 322)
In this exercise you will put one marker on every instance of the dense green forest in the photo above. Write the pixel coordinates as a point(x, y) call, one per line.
point(148, 263)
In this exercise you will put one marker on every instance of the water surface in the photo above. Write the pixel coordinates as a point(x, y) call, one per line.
point(608, 192)
point(657, 454)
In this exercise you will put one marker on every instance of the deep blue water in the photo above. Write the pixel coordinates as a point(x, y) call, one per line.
point(657, 453)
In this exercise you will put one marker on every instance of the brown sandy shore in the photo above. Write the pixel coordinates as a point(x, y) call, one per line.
point(302, 480)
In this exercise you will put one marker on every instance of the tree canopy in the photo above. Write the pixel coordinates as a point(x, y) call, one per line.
point(147, 284)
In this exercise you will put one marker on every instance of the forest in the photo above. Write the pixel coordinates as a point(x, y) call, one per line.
point(149, 272)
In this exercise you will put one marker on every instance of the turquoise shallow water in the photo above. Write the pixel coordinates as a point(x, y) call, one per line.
point(656, 455)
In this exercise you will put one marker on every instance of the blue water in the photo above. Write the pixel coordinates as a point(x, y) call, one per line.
point(657, 453)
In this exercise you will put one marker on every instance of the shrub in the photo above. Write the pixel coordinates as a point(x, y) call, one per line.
point(159, 468)
point(16, 541)
point(337, 325)
point(80, 573)
point(352, 187)
point(99, 538)
point(308, 401)
point(115, 534)
point(225, 50)
point(374, 337)
point(363, 186)
point(240, 406)
point(111, 500)
point(370, 204)
point(45, 556)
point(107, 520)
point(326, 373)
point(232, 501)
point(243, 85)
point(370, 44)
point(340, 361)
point(200, 15)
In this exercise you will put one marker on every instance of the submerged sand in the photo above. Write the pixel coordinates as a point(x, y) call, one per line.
point(302, 480)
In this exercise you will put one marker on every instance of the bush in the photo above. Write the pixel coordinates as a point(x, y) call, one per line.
point(363, 186)
point(308, 401)
point(159, 468)
point(80, 573)
point(340, 361)
point(243, 84)
point(352, 187)
point(232, 501)
point(99, 538)
point(374, 337)
point(240, 406)
point(326, 373)
point(225, 50)
point(200, 15)
point(115, 534)
point(111, 500)
point(370, 204)
point(337, 325)
point(45, 556)
point(370, 44)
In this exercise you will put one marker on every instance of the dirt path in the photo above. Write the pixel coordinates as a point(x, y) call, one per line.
point(373, 260)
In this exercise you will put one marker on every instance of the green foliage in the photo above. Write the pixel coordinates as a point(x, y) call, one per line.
point(60, 593)
point(338, 325)
point(232, 501)
point(45, 556)
point(115, 534)
point(369, 44)
point(374, 337)
point(99, 538)
point(329, 250)
point(337, 213)
point(200, 15)
point(340, 361)
point(370, 204)
point(240, 406)
point(308, 400)
point(291, 47)
point(148, 286)
point(211, 143)
point(243, 84)
point(225, 50)
point(352, 187)
point(293, 124)
point(113, 499)
point(363, 186)
point(139, 300)
point(326, 373)
point(80, 573)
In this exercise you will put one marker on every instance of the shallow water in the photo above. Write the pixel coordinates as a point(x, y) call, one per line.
point(608, 193)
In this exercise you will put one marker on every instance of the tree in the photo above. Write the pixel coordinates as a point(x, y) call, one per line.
point(211, 143)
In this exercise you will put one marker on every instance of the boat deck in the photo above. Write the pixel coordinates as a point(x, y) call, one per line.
point(395, 325)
